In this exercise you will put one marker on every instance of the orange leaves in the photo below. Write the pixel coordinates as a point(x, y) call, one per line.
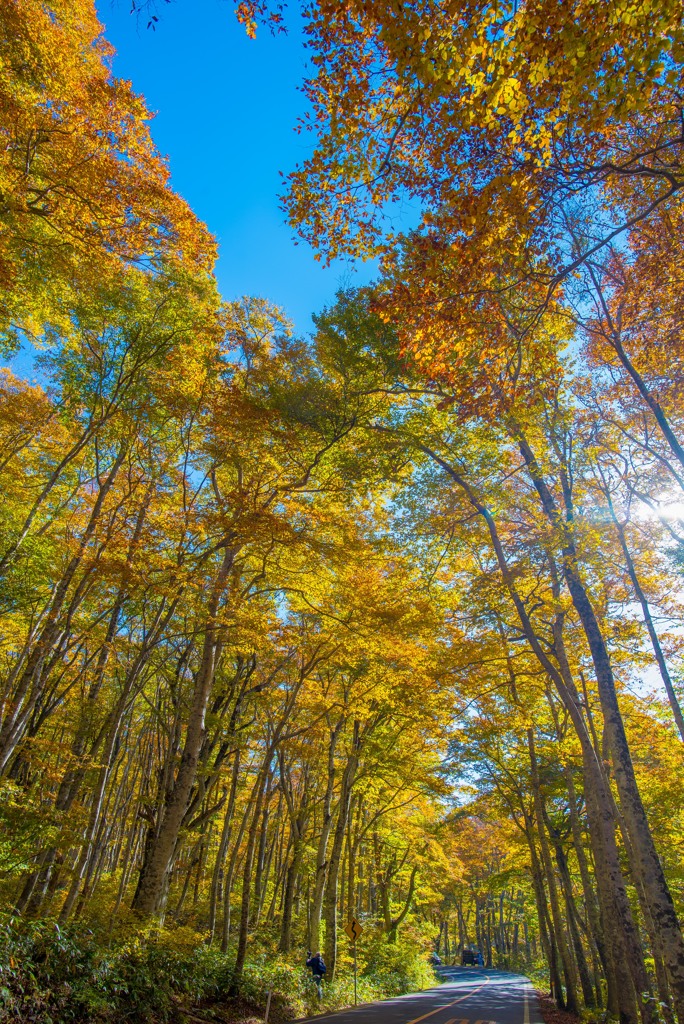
point(251, 13)
point(25, 411)
point(501, 125)
point(245, 15)
point(85, 193)
point(464, 319)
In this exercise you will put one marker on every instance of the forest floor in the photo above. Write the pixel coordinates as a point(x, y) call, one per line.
point(550, 1012)
point(237, 1011)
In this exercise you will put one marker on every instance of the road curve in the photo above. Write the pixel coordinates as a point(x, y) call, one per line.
point(468, 995)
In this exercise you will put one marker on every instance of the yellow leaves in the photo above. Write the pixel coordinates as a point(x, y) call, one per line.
point(245, 15)
point(496, 92)
point(85, 191)
point(539, 70)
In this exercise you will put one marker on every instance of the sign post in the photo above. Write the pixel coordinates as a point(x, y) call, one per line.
point(355, 995)
point(353, 930)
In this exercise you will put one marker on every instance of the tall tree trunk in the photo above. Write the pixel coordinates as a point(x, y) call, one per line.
point(17, 714)
point(323, 839)
point(545, 927)
point(615, 908)
point(160, 850)
point(648, 862)
point(572, 917)
point(330, 905)
point(571, 1003)
point(245, 903)
point(596, 936)
point(220, 862)
point(230, 874)
point(292, 875)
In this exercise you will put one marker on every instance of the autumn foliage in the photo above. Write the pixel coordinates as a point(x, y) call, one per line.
point(385, 622)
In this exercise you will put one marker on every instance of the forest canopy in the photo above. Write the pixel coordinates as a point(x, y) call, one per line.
point(384, 622)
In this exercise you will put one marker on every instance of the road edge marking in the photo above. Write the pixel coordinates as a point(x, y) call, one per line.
point(447, 1005)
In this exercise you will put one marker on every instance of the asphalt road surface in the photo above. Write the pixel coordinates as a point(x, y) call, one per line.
point(468, 995)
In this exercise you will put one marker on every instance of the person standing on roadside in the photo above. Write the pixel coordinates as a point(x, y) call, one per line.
point(317, 965)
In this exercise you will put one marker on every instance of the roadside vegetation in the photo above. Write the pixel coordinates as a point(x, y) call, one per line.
point(76, 974)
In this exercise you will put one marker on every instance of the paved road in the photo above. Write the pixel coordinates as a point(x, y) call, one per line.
point(468, 995)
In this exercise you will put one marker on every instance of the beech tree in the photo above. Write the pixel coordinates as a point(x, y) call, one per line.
point(381, 623)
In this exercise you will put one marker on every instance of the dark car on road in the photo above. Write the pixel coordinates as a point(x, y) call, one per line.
point(468, 958)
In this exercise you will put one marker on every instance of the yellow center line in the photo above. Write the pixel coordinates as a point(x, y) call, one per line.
point(447, 1005)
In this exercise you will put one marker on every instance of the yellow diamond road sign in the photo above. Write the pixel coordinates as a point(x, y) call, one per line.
point(353, 929)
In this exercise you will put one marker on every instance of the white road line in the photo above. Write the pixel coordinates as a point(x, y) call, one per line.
point(447, 1005)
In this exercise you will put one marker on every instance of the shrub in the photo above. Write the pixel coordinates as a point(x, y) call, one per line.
point(54, 975)
point(401, 966)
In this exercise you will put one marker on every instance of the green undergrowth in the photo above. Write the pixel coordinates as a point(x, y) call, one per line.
point(50, 975)
point(534, 968)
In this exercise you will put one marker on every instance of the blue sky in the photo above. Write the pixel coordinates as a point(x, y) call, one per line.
point(225, 110)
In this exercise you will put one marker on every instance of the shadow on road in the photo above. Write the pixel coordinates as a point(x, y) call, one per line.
point(466, 995)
